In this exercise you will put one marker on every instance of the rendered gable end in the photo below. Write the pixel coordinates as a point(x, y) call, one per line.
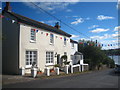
point(10, 44)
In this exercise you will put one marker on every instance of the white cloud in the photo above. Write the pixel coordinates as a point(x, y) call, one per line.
point(68, 10)
point(75, 36)
point(50, 22)
point(51, 5)
point(116, 35)
point(42, 21)
point(77, 21)
point(87, 18)
point(0, 8)
point(105, 36)
point(75, 16)
point(93, 26)
point(117, 28)
point(84, 39)
point(102, 17)
point(98, 30)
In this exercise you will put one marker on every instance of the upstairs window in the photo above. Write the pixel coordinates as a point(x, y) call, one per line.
point(33, 35)
point(65, 41)
point(51, 38)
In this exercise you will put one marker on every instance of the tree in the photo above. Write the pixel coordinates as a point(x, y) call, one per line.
point(64, 59)
point(94, 56)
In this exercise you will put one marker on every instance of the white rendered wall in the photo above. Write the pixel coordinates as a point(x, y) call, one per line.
point(41, 45)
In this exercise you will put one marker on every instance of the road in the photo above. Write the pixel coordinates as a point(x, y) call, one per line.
point(96, 79)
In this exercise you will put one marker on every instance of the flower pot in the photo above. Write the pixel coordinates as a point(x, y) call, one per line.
point(52, 70)
point(39, 72)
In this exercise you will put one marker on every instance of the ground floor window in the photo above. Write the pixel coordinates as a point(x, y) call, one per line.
point(31, 58)
point(49, 57)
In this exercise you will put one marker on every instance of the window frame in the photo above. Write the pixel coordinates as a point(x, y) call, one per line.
point(30, 56)
point(32, 35)
point(49, 58)
point(51, 38)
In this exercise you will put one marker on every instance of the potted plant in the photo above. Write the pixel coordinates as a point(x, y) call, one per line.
point(64, 57)
point(51, 70)
point(39, 72)
point(56, 65)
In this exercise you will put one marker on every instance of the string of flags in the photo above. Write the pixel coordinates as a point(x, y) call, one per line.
point(84, 44)
point(98, 44)
point(47, 34)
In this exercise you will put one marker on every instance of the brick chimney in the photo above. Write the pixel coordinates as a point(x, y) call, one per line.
point(7, 7)
point(57, 25)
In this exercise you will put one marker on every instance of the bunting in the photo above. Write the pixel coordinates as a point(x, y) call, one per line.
point(1, 16)
point(46, 34)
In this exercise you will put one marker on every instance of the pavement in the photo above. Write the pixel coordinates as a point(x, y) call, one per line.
point(10, 79)
point(96, 79)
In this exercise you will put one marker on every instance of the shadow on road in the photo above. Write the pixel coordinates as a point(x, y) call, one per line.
point(113, 73)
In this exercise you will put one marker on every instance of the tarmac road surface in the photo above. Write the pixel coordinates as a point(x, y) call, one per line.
point(96, 79)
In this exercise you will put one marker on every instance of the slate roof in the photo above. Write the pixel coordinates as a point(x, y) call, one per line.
point(37, 24)
point(72, 41)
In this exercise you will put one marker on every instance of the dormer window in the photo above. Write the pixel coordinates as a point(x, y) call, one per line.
point(65, 41)
point(51, 38)
point(33, 35)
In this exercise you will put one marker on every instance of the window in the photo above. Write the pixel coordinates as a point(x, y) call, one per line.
point(31, 57)
point(65, 41)
point(72, 45)
point(51, 38)
point(33, 35)
point(49, 57)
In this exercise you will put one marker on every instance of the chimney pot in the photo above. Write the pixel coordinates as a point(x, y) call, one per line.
point(7, 7)
point(57, 25)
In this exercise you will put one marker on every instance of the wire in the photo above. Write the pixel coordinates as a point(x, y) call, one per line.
point(59, 20)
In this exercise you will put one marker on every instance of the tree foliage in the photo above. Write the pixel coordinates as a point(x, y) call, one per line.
point(94, 56)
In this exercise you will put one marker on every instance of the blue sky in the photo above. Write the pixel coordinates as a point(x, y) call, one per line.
point(98, 20)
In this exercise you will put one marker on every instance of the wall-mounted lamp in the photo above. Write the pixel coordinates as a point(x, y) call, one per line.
point(56, 54)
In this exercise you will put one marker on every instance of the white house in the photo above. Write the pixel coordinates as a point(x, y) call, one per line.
point(77, 57)
point(26, 41)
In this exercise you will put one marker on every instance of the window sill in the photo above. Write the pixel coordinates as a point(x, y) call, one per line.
point(28, 67)
point(64, 45)
point(32, 41)
point(50, 64)
point(51, 44)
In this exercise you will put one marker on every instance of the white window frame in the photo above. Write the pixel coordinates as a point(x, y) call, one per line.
point(30, 56)
point(32, 35)
point(51, 38)
point(49, 57)
point(65, 41)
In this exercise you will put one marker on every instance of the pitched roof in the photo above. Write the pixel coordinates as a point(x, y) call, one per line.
point(72, 41)
point(37, 24)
